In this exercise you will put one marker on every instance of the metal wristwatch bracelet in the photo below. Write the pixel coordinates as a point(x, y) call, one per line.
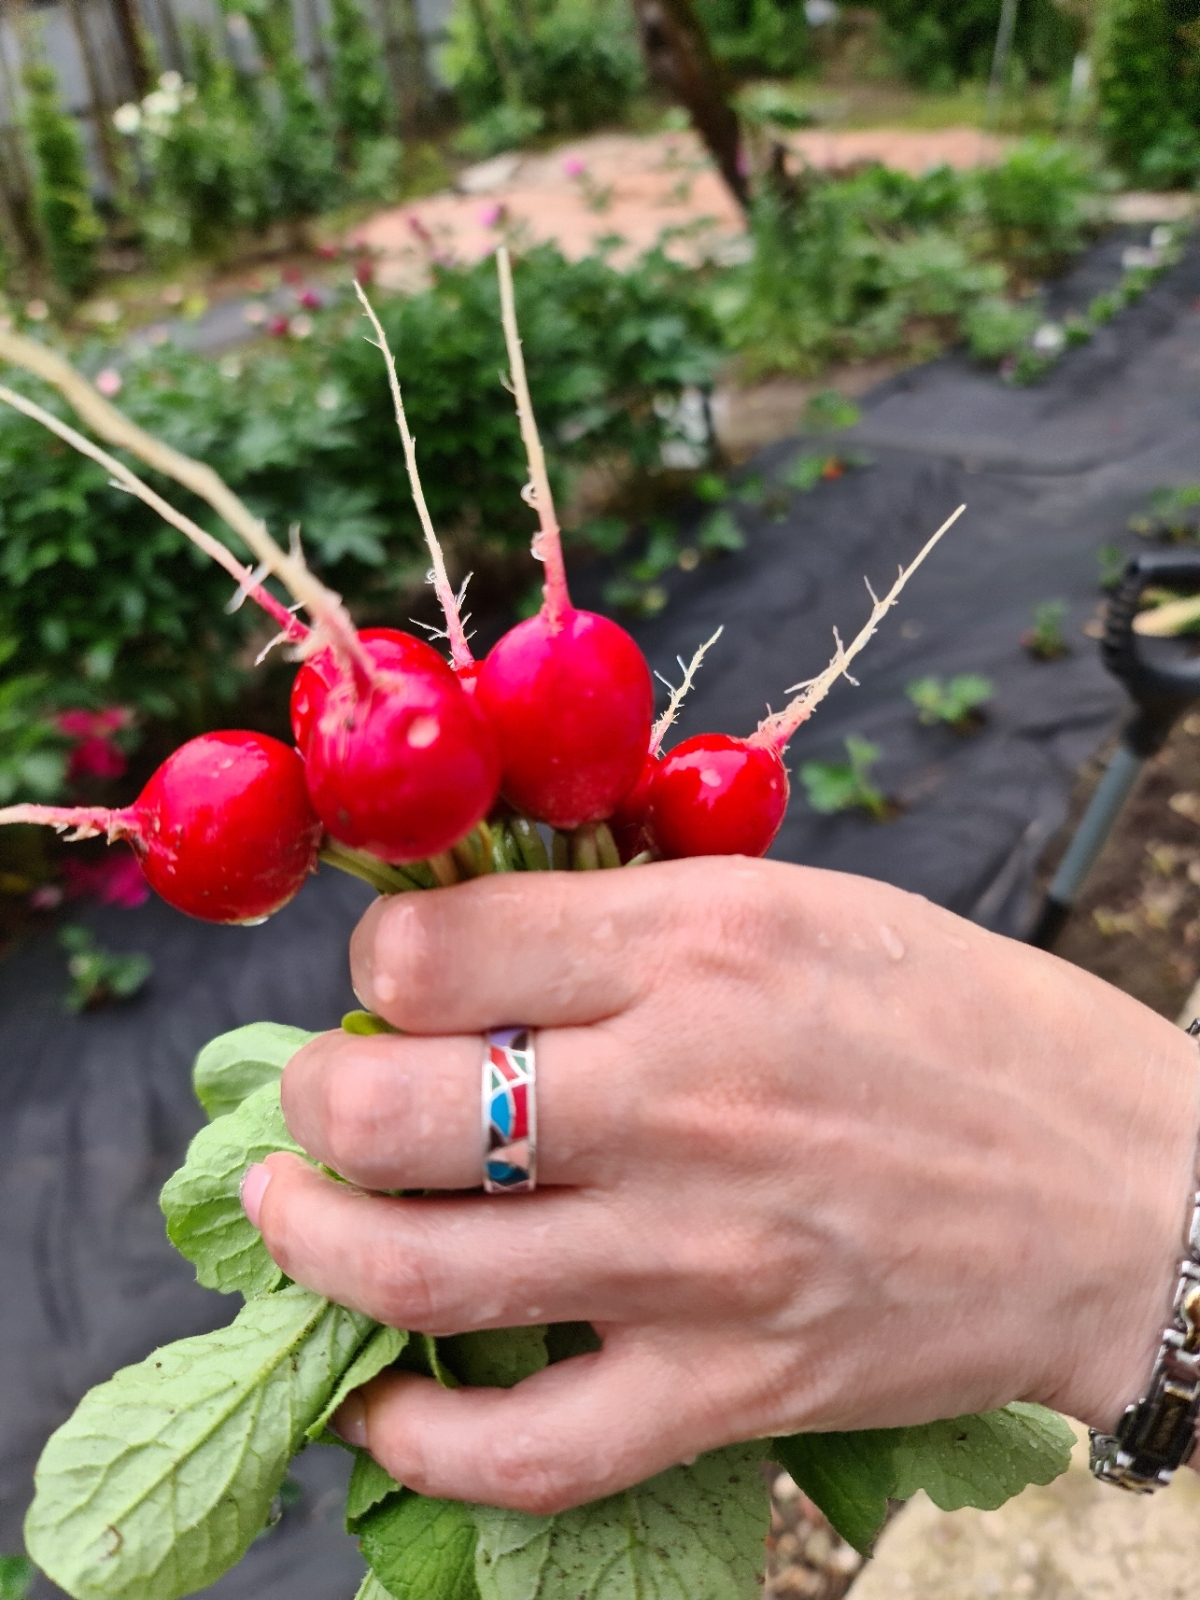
point(1157, 1434)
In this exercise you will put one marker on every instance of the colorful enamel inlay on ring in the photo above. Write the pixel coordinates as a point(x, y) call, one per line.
point(509, 1112)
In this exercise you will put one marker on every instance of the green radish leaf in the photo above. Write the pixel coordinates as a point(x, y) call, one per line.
point(964, 1461)
point(983, 1460)
point(202, 1201)
point(232, 1067)
point(495, 1358)
point(850, 1476)
point(379, 1352)
point(692, 1533)
point(422, 1549)
point(165, 1474)
point(423, 1355)
point(370, 1485)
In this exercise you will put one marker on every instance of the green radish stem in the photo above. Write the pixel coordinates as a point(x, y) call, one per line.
point(775, 731)
point(529, 844)
point(547, 545)
point(460, 650)
point(379, 874)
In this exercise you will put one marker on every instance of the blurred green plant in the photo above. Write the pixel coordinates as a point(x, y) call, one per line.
point(758, 36)
point(1147, 56)
point(520, 66)
point(71, 230)
point(1111, 561)
point(99, 977)
point(107, 601)
point(16, 1577)
point(1045, 641)
point(957, 704)
point(1038, 205)
point(938, 44)
point(833, 786)
point(33, 752)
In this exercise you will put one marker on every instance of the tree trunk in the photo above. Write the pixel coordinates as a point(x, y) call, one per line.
point(100, 109)
point(129, 28)
point(680, 61)
point(404, 55)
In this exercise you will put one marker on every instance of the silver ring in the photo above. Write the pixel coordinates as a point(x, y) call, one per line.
point(509, 1112)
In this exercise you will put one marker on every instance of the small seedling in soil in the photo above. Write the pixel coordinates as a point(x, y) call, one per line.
point(16, 1577)
point(830, 412)
point(1045, 640)
point(807, 471)
point(1173, 515)
point(833, 786)
point(957, 704)
point(99, 977)
point(1110, 559)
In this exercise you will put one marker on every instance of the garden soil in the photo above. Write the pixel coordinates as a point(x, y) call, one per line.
point(96, 1111)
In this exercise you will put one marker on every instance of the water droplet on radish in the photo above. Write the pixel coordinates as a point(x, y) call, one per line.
point(892, 942)
point(422, 732)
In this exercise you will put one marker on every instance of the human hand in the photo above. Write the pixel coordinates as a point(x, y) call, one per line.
point(814, 1154)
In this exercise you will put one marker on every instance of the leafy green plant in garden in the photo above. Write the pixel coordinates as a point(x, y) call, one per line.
point(1038, 204)
point(104, 598)
point(33, 760)
point(758, 36)
point(1148, 88)
point(833, 786)
point(1174, 514)
point(361, 105)
point(941, 43)
point(1045, 641)
point(222, 1415)
point(518, 66)
point(71, 230)
point(957, 704)
point(99, 976)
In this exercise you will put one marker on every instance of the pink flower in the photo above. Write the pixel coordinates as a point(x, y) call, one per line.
point(96, 758)
point(279, 327)
point(292, 275)
point(46, 898)
point(364, 272)
point(491, 216)
point(310, 300)
point(328, 252)
point(115, 879)
point(574, 167)
point(92, 724)
point(109, 382)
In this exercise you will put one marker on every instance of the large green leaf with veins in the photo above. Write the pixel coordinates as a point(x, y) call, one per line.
point(202, 1201)
point(232, 1067)
point(693, 1533)
point(965, 1461)
point(422, 1549)
point(165, 1474)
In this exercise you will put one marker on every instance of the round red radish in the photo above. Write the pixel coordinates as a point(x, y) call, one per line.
point(715, 795)
point(402, 768)
point(628, 822)
point(571, 703)
point(224, 829)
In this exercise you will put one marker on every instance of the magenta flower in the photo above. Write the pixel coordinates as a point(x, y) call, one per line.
point(115, 879)
point(109, 382)
point(574, 167)
point(96, 758)
point(491, 216)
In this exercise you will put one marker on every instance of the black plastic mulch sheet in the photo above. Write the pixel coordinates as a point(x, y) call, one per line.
point(96, 1111)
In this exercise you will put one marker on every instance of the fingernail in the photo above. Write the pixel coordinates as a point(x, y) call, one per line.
point(350, 1420)
point(254, 1186)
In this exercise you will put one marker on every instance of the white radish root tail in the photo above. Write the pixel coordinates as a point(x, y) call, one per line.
point(775, 731)
point(678, 696)
point(547, 546)
point(85, 822)
point(460, 650)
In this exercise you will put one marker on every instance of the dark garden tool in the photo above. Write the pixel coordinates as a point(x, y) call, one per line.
point(1163, 679)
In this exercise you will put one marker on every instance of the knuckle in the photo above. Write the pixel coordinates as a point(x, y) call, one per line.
point(410, 1292)
point(414, 967)
point(530, 1475)
point(350, 1119)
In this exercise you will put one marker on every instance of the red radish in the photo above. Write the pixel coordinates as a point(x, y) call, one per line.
point(402, 767)
point(628, 822)
point(715, 795)
point(568, 693)
point(224, 830)
point(572, 703)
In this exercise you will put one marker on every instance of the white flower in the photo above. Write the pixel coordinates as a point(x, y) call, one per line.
point(1049, 339)
point(328, 397)
point(230, 367)
point(255, 313)
point(109, 382)
point(127, 119)
point(1162, 237)
point(172, 82)
point(301, 327)
point(161, 105)
point(37, 311)
point(1137, 256)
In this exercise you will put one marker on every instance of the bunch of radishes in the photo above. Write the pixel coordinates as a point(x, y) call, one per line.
point(411, 771)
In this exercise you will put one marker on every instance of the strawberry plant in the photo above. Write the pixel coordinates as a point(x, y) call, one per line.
point(413, 772)
point(833, 786)
point(99, 976)
point(1045, 641)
